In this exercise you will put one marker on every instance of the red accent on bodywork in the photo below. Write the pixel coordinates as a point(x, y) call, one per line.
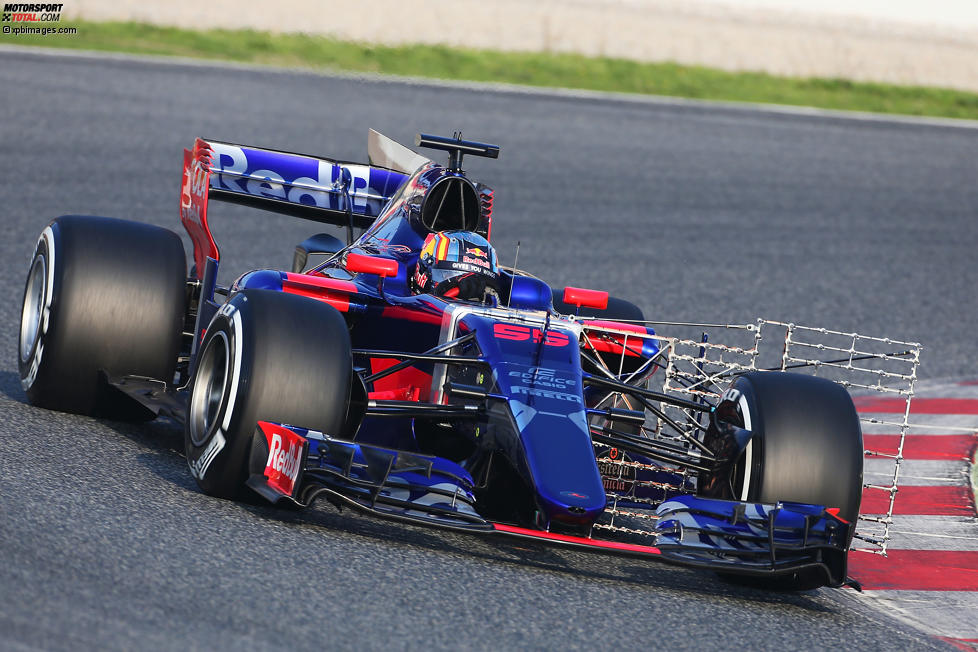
point(321, 282)
point(614, 343)
point(402, 394)
point(521, 333)
point(333, 291)
point(487, 196)
point(286, 454)
point(565, 538)
point(193, 203)
point(834, 511)
point(580, 297)
point(511, 332)
point(363, 264)
point(408, 384)
point(407, 314)
point(338, 300)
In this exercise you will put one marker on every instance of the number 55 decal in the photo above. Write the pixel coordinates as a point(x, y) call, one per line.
point(522, 333)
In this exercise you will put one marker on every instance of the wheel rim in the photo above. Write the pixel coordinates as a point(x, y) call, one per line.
point(209, 389)
point(30, 319)
point(747, 460)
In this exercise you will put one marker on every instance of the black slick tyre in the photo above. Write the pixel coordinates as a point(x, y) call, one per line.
point(104, 298)
point(267, 356)
point(806, 447)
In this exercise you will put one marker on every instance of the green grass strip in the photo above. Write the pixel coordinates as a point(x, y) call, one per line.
point(535, 69)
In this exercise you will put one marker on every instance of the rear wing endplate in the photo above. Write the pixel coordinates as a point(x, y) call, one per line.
point(323, 190)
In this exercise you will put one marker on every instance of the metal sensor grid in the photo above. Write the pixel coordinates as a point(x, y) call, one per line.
point(702, 368)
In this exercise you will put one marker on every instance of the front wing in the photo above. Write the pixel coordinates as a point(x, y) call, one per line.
point(297, 465)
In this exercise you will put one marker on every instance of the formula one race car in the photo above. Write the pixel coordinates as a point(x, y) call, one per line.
point(407, 374)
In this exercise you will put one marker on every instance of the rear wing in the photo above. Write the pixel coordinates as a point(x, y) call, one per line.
point(323, 190)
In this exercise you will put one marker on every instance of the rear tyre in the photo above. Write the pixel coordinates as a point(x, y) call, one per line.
point(104, 298)
point(267, 356)
point(807, 447)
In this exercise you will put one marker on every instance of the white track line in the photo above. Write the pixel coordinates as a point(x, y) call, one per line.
point(921, 424)
point(934, 533)
point(917, 472)
point(941, 613)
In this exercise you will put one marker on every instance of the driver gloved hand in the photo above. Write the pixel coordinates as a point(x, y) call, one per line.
point(470, 287)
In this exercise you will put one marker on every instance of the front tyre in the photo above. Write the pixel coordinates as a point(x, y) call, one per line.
point(806, 447)
point(104, 298)
point(267, 356)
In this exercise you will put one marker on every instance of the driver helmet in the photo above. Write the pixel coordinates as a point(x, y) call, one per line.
point(458, 265)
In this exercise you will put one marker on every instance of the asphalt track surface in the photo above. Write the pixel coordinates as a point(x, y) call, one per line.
point(696, 213)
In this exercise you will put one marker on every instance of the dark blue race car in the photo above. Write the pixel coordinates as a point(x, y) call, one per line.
point(405, 373)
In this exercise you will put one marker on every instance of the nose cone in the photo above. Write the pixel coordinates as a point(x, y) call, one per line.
point(560, 459)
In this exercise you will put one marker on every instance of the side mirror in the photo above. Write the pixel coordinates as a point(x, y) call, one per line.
point(363, 264)
point(319, 244)
point(528, 293)
point(582, 298)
